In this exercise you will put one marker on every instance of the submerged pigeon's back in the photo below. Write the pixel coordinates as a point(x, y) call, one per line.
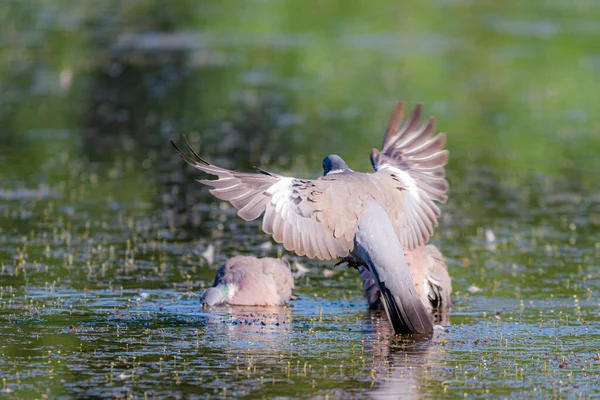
point(438, 279)
point(279, 270)
point(251, 281)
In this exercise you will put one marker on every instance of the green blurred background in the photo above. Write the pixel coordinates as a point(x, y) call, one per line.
point(513, 83)
point(93, 198)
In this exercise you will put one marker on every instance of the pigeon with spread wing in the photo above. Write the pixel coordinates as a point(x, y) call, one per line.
point(366, 218)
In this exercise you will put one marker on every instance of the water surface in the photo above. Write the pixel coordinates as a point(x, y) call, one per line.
point(103, 230)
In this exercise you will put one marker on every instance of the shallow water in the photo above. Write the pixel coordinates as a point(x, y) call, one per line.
point(104, 233)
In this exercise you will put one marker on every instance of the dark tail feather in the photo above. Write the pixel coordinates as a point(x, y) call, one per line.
point(405, 310)
point(406, 316)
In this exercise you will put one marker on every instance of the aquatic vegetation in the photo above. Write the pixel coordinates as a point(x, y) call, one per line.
point(102, 236)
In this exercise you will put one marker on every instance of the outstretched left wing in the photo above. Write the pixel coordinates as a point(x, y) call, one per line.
point(302, 214)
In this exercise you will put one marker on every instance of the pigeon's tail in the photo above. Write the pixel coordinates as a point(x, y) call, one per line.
point(404, 308)
point(377, 246)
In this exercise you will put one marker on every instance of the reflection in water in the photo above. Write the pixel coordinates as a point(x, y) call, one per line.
point(259, 330)
point(90, 96)
point(401, 363)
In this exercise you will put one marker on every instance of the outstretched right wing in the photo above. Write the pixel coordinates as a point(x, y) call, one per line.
point(413, 154)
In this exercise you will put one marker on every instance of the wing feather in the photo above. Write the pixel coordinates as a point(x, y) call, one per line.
point(301, 214)
point(416, 159)
point(438, 278)
point(254, 208)
point(319, 217)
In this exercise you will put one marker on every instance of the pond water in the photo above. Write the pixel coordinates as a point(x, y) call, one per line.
point(104, 233)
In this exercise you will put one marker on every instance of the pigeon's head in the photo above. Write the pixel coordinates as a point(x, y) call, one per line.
point(333, 164)
point(215, 295)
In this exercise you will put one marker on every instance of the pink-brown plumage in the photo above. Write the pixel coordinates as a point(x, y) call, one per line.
point(379, 219)
point(251, 281)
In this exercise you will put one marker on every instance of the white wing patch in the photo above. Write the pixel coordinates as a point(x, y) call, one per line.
point(406, 179)
point(338, 171)
point(281, 190)
point(280, 193)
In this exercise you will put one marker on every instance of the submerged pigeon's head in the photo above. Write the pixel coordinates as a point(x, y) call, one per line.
point(215, 295)
point(333, 164)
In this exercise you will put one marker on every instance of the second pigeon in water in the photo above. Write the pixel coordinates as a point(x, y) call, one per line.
point(251, 281)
